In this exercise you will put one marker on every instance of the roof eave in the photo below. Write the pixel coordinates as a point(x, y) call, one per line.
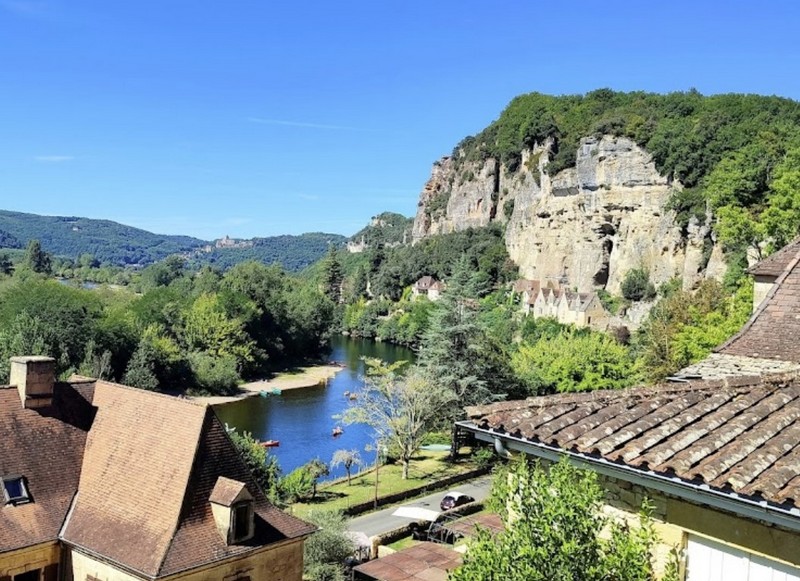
point(695, 493)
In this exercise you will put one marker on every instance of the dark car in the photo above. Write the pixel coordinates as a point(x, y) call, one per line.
point(453, 499)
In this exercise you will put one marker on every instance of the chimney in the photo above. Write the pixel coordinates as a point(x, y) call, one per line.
point(34, 377)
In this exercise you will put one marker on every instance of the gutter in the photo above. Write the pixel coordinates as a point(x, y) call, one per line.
point(701, 494)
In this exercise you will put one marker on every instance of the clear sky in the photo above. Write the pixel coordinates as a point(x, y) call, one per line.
point(264, 117)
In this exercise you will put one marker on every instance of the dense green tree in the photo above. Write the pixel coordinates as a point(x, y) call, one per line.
point(263, 466)
point(6, 266)
point(316, 469)
point(332, 275)
point(552, 519)
point(574, 362)
point(141, 370)
point(325, 551)
point(636, 285)
point(36, 259)
point(452, 349)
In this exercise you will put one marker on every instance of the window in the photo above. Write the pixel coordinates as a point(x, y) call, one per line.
point(29, 576)
point(15, 491)
point(242, 525)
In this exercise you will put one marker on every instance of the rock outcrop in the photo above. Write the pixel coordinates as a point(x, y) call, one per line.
point(588, 225)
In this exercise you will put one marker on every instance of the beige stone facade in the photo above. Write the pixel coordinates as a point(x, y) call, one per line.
point(277, 563)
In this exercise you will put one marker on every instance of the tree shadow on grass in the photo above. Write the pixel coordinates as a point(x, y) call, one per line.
point(324, 496)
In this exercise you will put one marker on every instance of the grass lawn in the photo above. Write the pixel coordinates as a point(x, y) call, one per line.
point(426, 468)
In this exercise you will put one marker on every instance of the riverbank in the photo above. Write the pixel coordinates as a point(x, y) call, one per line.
point(300, 377)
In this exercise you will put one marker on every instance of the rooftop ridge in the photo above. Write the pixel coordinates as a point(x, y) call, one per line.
point(767, 302)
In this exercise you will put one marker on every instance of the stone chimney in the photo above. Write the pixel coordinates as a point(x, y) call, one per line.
point(34, 377)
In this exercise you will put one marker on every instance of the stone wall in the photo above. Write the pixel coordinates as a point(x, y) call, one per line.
point(43, 556)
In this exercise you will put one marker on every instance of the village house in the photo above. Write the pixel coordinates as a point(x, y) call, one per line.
point(103, 482)
point(429, 287)
point(717, 448)
point(569, 308)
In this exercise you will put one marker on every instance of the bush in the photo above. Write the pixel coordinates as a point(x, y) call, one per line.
point(637, 286)
point(214, 375)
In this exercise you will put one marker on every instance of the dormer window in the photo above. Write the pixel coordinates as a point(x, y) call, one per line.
point(15, 491)
point(233, 509)
point(242, 521)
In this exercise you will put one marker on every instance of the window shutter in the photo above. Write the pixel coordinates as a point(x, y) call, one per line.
point(50, 573)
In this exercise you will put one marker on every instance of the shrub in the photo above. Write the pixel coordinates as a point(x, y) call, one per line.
point(637, 286)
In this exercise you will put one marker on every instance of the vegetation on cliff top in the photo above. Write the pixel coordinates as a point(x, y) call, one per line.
point(735, 155)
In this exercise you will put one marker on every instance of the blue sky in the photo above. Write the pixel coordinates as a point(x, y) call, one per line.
point(256, 118)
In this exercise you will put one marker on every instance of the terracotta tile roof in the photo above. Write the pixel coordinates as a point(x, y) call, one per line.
point(776, 263)
point(424, 283)
point(739, 434)
point(46, 447)
point(196, 541)
point(226, 491)
point(423, 562)
point(773, 332)
point(719, 365)
point(150, 465)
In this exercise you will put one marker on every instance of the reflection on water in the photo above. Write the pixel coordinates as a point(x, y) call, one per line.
point(302, 419)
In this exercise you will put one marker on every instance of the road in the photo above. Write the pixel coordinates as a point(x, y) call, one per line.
point(382, 521)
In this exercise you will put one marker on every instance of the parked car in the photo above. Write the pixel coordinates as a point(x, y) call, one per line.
point(453, 499)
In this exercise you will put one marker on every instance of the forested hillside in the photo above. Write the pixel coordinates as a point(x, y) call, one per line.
point(115, 244)
point(107, 241)
point(294, 253)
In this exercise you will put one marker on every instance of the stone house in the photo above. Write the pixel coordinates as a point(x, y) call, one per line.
point(766, 272)
point(717, 448)
point(103, 482)
point(427, 286)
point(568, 307)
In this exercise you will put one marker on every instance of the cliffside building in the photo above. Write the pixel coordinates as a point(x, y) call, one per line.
point(427, 286)
point(103, 482)
point(568, 307)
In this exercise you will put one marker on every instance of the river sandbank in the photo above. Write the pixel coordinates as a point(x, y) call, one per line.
point(307, 376)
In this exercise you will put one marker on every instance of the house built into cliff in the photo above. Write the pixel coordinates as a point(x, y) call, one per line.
point(104, 482)
point(548, 299)
point(717, 448)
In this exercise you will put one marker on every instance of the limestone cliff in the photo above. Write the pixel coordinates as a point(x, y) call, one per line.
point(587, 225)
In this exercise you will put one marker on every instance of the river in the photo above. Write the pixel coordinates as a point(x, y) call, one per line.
point(302, 419)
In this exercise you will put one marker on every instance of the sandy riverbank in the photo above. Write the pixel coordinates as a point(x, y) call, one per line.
point(297, 378)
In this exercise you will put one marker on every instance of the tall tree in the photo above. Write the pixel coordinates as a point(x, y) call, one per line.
point(332, 275)
point(6, 266)
point(400, 409)
point(37, 259)
point(452, 348)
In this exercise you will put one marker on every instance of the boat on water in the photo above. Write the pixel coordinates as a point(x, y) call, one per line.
point(337, 431)
point(270, 443)
point(269, 392)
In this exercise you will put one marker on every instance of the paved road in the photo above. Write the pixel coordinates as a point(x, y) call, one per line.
point(382, 521)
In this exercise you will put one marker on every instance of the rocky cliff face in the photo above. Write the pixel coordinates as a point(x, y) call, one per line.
point(588, 225)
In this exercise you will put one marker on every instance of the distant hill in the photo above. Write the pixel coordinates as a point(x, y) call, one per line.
point(387, 228)
point(293, 252)
point(117, 244)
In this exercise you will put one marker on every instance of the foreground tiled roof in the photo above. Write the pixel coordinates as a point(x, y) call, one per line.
point(46, 447)
point(776, 263)
point(146, 481)
point(423, 562)
point(737, 435)
point(773, 332)
point(720, 365)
